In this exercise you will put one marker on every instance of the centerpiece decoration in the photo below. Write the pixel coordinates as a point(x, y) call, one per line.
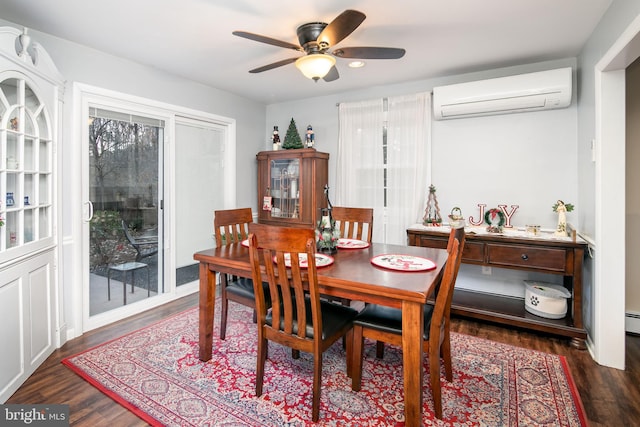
point(562, 208)
point(327, 235)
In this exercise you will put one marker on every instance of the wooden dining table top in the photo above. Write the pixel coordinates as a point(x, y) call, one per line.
point(352, 274)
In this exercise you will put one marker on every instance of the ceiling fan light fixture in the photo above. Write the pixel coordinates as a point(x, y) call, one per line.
point(315, 66)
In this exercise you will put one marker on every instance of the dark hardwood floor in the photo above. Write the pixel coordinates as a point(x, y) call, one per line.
point(610, 396)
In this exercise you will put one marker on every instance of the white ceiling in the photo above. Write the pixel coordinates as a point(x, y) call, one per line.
point(192, 38)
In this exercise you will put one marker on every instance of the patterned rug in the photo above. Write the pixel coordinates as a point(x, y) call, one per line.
point(155, 372)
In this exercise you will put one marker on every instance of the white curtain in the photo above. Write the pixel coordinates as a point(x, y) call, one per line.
point(408, 149)
point(360, 177)
point(361, 162)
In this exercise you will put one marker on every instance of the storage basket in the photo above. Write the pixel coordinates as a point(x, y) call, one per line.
point(546, 299)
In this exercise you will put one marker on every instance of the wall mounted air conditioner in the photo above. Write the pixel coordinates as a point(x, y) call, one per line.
point(542, 90)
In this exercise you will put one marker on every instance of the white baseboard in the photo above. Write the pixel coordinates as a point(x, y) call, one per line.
point(632, 322)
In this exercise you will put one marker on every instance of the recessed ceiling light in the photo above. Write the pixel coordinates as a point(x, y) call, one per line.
point(356, 64)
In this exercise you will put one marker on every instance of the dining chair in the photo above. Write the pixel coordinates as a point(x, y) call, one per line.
point(232, 226)
point(354, 223)
point(298, 318)
point(384, 324)
point(455, 233)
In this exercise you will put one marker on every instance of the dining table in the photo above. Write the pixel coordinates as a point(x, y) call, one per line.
point(359, 274)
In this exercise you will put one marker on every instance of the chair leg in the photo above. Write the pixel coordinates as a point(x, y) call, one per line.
point(356, 358)
point(379, 349)
point(262, 357)
point(349, 338)
point(434, 375)
point(224, 310)
point(317, 386)
point(445, 349)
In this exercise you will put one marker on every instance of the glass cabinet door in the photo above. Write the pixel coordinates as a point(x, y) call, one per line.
point(285, 187)
point(25, 166)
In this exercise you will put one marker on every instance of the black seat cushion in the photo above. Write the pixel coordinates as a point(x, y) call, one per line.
point(389, 319)
point(244, 287)
point(334, 318)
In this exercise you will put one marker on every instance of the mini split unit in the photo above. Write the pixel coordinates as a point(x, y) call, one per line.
point(544, 90)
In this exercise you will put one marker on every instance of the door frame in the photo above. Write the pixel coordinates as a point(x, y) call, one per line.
point(84, 95)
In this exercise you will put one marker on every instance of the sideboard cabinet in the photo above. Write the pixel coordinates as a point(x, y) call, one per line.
point(560, 256)
point(291, 186)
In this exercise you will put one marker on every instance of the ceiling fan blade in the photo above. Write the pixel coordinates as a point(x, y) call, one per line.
point(363, 52)
point(332, 75)
point(341, 27)
point(267, 40)
point(273, 65)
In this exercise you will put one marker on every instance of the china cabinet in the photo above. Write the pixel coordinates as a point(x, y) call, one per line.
point(30, 97)
point(291, 186)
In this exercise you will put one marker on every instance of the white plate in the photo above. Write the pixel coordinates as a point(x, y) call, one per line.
point(403, 262)
point(322, 260)
point(352, 244)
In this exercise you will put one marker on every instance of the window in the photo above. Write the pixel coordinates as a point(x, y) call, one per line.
point(382, 161)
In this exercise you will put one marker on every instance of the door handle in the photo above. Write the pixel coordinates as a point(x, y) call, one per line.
point(90, 206)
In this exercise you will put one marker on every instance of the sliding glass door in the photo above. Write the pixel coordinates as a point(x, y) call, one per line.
point(125, 197)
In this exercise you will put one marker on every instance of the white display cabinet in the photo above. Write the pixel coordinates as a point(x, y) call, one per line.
point(26, 165)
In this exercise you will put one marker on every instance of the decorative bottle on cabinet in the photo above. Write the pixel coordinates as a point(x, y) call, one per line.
point(294, 181)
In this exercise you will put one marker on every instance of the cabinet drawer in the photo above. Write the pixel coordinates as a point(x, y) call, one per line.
point(473, 252)
point(549, 259)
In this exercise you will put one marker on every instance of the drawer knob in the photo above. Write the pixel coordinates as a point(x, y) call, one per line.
point(524, 257)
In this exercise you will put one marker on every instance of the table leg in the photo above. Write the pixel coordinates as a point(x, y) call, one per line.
point(206, 311)
point(412, 331)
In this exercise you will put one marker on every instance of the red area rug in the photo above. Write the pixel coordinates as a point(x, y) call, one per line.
point(155, 372)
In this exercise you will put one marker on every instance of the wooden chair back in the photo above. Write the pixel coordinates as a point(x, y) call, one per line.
point(354, 223)
point(231, 225)
point(288, 286)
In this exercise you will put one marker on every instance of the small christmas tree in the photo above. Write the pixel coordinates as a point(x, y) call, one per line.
point(292, 138)
point(432, 215)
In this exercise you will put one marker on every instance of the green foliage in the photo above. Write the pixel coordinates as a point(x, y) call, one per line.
point(569, 207)
point(106, 236)
point(292, 138)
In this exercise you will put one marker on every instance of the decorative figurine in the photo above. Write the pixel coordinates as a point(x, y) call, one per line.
point(275, 139)
point(309, 139)
point(432, 212)
point(561, 208)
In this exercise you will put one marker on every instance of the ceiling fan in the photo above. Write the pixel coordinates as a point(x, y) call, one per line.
point(316, 39)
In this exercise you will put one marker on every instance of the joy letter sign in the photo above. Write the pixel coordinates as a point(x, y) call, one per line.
point(503, 208)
